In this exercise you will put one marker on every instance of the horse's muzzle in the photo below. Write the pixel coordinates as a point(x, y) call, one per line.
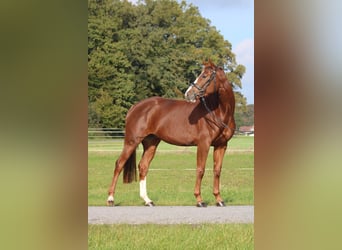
point(190, 95)
point(191, 98)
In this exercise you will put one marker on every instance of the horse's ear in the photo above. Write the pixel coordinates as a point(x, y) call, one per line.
point(209, 62)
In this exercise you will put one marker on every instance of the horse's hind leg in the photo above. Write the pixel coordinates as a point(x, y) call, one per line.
point(128, 150)
point(150, 144)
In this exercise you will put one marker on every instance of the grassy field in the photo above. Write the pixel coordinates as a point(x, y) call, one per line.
point(171, 177)
point(171, 181)
point(206, 236)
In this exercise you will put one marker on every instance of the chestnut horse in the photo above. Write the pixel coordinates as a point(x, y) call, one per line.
point(205, 119)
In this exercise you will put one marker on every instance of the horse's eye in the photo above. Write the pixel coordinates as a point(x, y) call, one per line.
point(204, 76)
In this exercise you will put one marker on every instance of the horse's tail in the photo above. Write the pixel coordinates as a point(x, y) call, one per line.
point(130, 169)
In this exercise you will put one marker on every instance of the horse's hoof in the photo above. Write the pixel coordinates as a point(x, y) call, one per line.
point(220, 204)
point(110, 203)
point(201, 204)
point(150, 204)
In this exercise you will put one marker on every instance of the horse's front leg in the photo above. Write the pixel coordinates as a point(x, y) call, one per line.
point(202, 154)
point(218, 159)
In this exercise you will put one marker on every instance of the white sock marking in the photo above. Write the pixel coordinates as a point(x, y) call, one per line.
point(143, 191)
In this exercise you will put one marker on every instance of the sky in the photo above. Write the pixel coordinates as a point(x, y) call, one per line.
point(234, 19)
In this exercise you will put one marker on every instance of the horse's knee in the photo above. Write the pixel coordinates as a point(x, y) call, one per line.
point(200, 172)
point(217, 173)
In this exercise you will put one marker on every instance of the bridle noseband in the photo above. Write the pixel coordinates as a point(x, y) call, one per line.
point(205, 86)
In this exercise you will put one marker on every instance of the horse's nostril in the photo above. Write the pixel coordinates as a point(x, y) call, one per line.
point(190, 97)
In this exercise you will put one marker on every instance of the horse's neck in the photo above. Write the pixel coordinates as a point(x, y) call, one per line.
point(225, 96)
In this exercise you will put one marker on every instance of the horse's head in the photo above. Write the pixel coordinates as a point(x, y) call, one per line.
point(204, 83)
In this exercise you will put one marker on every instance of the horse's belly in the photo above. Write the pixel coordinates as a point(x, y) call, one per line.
point(177, 134)
point(177, 142)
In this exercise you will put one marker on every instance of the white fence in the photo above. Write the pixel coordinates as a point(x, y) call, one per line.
point(102, 134)
point(105, 139)
point(111, 139)
point(105, 133)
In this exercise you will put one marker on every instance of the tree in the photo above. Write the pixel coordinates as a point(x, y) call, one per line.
point(246, 117)
point(152, 48)
point(110, 81)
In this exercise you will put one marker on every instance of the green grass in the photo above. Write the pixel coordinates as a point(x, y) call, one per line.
point(171, 182)
point(205, 236)
point(171, 177)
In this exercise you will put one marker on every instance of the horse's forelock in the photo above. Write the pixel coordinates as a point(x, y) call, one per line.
point(212, 64)
point(209, 64)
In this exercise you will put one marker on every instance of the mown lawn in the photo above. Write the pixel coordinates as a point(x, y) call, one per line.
point(171, 177)
point(205, 236)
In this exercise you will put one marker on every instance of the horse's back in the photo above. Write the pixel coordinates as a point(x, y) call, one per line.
point(154, 105)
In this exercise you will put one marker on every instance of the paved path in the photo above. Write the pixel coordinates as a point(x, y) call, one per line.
point(170, 215)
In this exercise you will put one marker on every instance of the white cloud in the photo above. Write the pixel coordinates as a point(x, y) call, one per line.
point(244, 52)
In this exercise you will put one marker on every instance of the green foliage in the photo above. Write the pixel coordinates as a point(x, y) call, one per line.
point(244, 116)
point(154, 48)
point(248, 119)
